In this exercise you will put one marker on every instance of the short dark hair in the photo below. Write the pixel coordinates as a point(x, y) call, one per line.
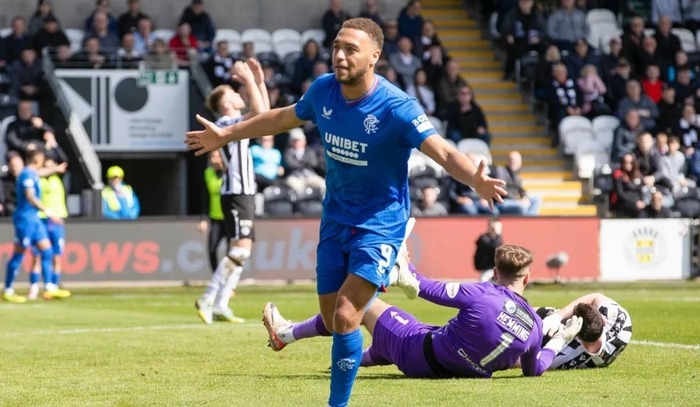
point(370, 27)
point(29, 155)
point(674, 139)
point(511, 260)
point(593, 322)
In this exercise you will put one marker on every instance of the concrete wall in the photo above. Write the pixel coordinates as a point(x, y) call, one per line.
point(236, 14)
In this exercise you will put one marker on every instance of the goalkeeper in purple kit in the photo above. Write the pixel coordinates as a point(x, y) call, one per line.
point(494, 328)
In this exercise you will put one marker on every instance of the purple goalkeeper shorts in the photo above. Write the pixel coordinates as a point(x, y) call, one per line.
point(398, 337)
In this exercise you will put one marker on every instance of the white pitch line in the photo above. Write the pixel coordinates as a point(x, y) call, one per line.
point(666, 345)
point(124, 329)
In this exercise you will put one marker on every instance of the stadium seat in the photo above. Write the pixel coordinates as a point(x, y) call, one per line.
point(286, 41)
point(600, 35)
point(688, 42)
point(602, 123)
point(164, 34)
point(279, 200)
point(649, 32)
point(261, 39)
point(313, 34)
point(575, 123)
point(417, 159)
point(285, 48)
point(3, 144)
point(590, 154)
point(439, 126)
point(474, 146)
point(4, 32)
point(75, 36)
point(232, 36)
point(422, 177)
point(309, 203)
point(600, 15)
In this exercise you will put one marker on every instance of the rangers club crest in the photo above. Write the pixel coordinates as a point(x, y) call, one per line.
point(370, 123)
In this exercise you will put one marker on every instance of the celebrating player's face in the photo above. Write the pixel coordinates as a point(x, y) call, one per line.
point(352, 55)
point(235, 99)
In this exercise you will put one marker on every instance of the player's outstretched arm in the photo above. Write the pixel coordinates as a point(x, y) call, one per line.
point(463, 170)
point(453, 295)
point(273, 121)
point(551, 323)
point(536, 361)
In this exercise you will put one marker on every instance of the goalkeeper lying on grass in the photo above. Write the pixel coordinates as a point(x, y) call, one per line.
point(494, 328)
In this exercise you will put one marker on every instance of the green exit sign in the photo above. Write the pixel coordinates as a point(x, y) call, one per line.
point(158, 78)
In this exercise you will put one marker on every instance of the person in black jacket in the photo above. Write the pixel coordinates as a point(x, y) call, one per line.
point(8, 190)
point(50, 36)
point(523, 29)
point(332, 20)
point(486, 246)
point(466, 119)
point(564, 98)
point(656, 209)
point(202, 26)
point(27, 132)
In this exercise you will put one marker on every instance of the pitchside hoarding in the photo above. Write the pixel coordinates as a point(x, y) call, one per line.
point(286, 249)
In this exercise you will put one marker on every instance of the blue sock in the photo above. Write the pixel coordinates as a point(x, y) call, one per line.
point(34, 277)
point(346, 359)
point(47, 266)
point(13, 269)
point(56, 278)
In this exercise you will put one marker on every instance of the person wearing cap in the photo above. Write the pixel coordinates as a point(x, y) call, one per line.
point(50, 36)
point(203, 28)
point(118, 199)
point(302, 164)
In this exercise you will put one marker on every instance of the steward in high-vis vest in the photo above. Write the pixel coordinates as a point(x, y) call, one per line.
point(118, 199)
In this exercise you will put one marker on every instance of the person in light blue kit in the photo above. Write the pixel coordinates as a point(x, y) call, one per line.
point(369, 128)
point(30, 230)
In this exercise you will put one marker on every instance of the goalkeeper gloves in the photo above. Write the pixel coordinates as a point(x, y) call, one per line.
point(565, 334)
point(550, 325)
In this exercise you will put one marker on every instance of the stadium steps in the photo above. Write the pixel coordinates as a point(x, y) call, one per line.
point(511, 121)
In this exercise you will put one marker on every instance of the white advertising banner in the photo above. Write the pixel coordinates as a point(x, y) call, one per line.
point(644, 249)
point(130, 110)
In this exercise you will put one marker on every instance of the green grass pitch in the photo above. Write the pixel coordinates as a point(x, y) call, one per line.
point(146, 347)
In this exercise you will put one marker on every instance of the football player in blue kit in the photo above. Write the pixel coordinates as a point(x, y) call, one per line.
point(369, 128)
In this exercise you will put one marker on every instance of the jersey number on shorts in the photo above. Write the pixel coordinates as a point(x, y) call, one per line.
point(506, 341)
point(385, 261)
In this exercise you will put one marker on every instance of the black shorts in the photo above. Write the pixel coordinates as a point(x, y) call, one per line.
point(239, 213)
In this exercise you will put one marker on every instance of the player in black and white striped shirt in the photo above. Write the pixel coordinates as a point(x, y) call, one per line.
point(606, 332)
point(237, 190)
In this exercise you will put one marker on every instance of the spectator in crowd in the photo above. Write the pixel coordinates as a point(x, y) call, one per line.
point(648, 112)
point(686, 89)
point(143, 36)
point(404, 62)
point(370, 10)
point(687, 128)
point(118, 199)
point(8, 181)
point(567, 25)
point(410, 21)
point(544, 71)
point(647, 56)
point(463, 198)
point(127, 57)
point(302, 164)
point(160, 56)
point(523, 29)
point(670, 10)
point(390, 75)
point(129, 21)
point(617, 84)
point(332, 20)
point(632, 40)
point(183, 44)
point(434, 65)
point(656, 208)
point(53, 151)
point(218, 66)
point(669, 110)
point(593, 89)
point(62, 57)
point(201, 25)
point(214, 222)
point(652, 84)
point(667, 42)
point(18, 40)
point(27, 132)
point(111, 24)
point(90, 56)
point(420, 89)
point(626, 198)
point(427, 39)
point(304, 65)
point(579, 58)
point(320, 68)
point(673, 168)
point(680, 62)
point(610, 61)
point(649, 161)
point(691, 13)
point(49, 36)
point(517, 202)
point(466, 119)
point(662, 143)
point(3, 59)
point(43, 10)
point(27, 76)
point(486, 246)
point(391, 39)
point(428, 204)
point(109, 41)
point(625, 138)
point(448, 86)
point(564, 98)
point(267, 162)
point(248, 51)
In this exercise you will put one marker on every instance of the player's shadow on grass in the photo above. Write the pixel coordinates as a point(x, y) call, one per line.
point(321, 375)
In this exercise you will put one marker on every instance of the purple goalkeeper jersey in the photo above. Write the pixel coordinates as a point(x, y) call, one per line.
point(494, 327)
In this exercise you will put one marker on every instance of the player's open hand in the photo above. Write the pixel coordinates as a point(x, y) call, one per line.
point(488, 188)
point(242, 73)
point(257, 70)
point(204, 141)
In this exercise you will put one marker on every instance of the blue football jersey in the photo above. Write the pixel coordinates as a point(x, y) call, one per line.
point(27, 179)
point(367, 145)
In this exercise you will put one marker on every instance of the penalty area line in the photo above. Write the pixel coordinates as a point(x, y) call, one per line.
point(79, 331)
